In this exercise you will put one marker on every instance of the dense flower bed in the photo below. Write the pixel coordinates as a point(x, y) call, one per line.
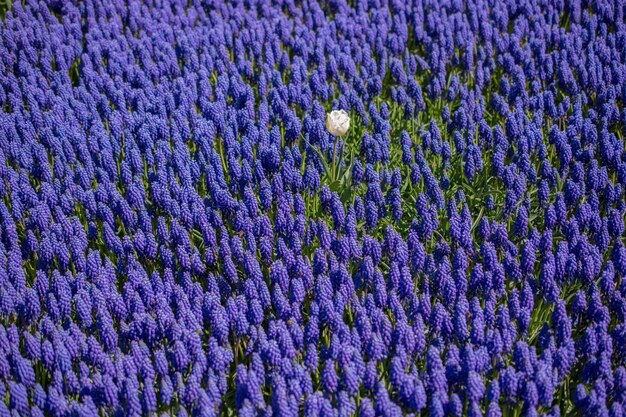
point(181, 233)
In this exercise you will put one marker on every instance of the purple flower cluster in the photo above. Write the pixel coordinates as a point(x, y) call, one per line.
point(180, 234)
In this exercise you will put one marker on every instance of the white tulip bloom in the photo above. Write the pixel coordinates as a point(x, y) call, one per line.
point(338, 122)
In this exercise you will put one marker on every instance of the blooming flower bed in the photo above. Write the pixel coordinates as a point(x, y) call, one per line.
point(319, 208)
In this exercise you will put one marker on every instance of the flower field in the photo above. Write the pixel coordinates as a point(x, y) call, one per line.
point(312, 208)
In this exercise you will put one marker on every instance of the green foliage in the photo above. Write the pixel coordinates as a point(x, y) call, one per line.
point(5, 7)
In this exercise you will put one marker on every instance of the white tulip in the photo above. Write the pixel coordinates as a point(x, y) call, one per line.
point(338, 122)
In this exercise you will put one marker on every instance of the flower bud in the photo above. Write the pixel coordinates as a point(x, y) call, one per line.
point(338, 122)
